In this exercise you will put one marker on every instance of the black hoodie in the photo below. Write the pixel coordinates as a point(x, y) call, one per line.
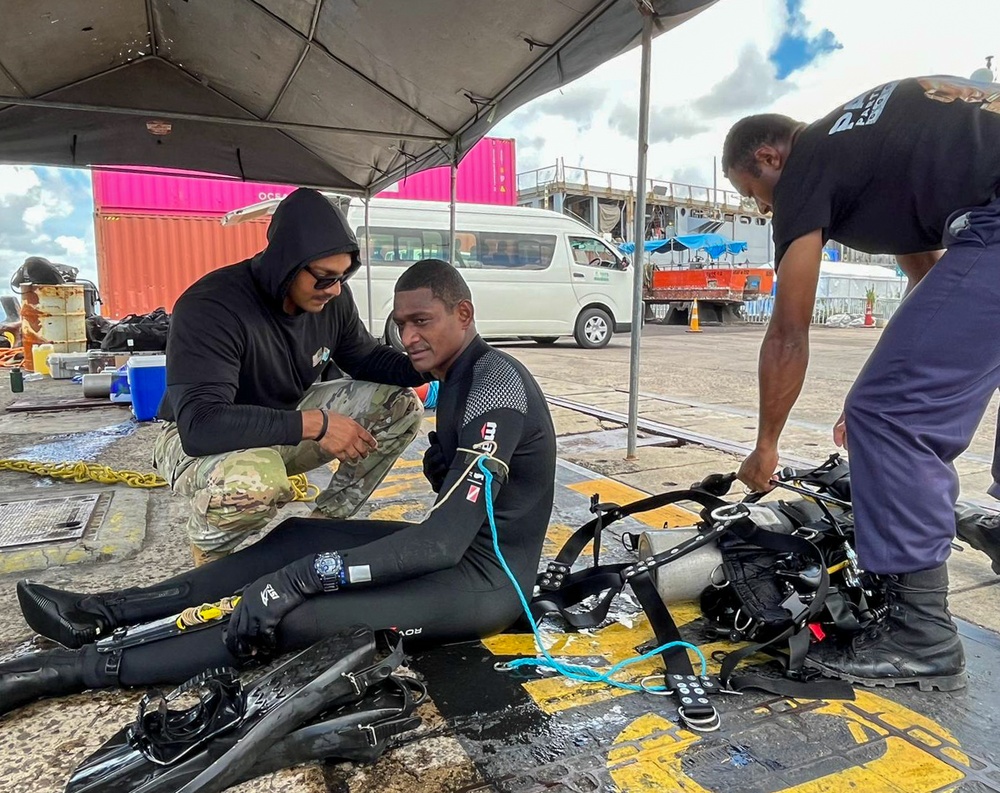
point(237, 364)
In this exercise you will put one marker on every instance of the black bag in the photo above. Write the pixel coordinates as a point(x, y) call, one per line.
point(139, 333)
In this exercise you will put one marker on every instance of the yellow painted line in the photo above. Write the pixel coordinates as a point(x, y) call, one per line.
point(391, 491)
point(620, 493)
point(401, 463)
point(406, 476)
point(648, 754)
point(400, 512)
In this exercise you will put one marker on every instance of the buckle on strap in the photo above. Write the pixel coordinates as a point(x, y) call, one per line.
point(553, 577)
point(692, 692)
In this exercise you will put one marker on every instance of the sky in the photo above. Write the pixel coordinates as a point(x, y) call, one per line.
point(797, 57)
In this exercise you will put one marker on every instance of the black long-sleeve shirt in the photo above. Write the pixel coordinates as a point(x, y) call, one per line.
point(238, 364)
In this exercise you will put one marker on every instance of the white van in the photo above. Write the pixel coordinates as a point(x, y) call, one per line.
point(533, 273)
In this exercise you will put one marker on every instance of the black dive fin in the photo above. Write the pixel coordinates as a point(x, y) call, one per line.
point(217, 741)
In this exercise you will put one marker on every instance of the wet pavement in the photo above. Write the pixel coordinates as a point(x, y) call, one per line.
point(499, 731)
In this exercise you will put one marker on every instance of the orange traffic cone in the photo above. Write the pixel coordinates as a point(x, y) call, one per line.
point(693, 325)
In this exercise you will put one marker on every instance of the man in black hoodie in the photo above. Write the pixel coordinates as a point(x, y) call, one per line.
point(251, 399)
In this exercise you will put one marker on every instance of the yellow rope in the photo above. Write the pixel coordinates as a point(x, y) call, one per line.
point(302, 488)
point(206, 612)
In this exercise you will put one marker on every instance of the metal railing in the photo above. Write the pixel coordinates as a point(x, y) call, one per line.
point(759, 311)
point(589, 180)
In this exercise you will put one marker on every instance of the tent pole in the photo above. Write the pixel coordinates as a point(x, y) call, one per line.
point(639, 257)
point(368, 262)
point(453, 244)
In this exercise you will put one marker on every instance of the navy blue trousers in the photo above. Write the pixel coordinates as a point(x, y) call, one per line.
point(919, 399)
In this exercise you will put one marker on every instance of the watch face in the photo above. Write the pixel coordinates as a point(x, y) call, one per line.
point(328, 565)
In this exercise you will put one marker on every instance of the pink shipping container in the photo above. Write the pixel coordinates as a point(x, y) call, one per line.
point(171, 193)
point(157, 234)
point(147, 261)
point(487, 175)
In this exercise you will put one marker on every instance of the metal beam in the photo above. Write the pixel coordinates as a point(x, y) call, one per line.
point(670, 431)
point(367, 80)
point(549, 53)
point(285, 126)
point(10, 78)
point(299, 62)
point(153, 41)
point(638, 257)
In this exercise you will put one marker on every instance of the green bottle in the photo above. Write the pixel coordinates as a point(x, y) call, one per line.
point(16, 380)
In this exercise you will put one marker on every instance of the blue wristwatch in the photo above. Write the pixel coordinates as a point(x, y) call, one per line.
point(329, 569)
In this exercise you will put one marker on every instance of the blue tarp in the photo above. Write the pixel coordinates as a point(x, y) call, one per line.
point(714, 244)
point(715, 251)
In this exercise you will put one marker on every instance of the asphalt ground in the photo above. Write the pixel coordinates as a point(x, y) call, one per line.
point(490, 730)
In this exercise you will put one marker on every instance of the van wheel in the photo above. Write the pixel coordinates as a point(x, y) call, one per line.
point(392, 337)
point(593, 329)
point(545, 341)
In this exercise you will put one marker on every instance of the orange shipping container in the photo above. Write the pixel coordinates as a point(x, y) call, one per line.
point(147, 261)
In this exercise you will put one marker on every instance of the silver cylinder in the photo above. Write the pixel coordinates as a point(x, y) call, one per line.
point(97, 386)
point(684, 578)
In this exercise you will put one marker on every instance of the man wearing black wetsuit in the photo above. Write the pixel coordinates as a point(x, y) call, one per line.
point(255, 388)
point(439, 580)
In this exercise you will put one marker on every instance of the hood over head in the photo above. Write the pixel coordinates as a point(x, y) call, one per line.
point(305, 227)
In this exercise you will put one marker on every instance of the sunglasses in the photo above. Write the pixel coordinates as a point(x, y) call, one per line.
point(326, 281)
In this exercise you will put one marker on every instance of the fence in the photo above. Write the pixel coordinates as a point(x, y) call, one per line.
point(589, 180)
point(759, 311)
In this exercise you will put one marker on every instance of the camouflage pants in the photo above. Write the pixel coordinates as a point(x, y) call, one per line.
point(235, 493)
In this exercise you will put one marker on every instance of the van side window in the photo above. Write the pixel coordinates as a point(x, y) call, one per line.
point(592, 252)
point(475, 249)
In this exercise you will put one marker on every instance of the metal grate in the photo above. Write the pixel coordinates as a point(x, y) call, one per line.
point(44, 520)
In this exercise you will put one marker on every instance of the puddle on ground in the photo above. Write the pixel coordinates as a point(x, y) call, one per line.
point(77, 445)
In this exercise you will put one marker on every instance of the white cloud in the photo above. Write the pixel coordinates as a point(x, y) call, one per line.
point(49, 204)
point(712, 70)
point(74, 246)
point(16, 180)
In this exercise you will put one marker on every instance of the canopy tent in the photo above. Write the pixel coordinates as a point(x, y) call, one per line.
point(349, 96)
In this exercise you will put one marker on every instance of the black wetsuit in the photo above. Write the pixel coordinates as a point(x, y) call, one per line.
point(438, 580)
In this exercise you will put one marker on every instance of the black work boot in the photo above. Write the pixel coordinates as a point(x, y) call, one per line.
point(52, 674)
point(980, 529)
point(74, 620)
point(917, 641)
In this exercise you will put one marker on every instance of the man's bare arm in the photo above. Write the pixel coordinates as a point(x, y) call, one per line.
point(784, 353)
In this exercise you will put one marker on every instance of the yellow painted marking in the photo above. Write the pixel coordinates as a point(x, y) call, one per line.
point(397, 511)
point(333, 465)
point(656, 764)
point(401, 463)
point(405, 476)
point(619, 493)
point(402, 488)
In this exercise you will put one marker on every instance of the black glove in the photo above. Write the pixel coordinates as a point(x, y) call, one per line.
point(264, 604)
point(435, 465)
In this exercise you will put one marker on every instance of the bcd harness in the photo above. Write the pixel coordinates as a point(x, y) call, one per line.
point(777, 592)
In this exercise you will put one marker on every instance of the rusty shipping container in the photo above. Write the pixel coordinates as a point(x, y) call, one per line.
point(147, 261)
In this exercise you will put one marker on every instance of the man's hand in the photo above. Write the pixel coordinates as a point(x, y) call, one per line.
point(758, 468)
point(265, 603)
point(435, 465)
point(346, 440)
point(840, 431)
